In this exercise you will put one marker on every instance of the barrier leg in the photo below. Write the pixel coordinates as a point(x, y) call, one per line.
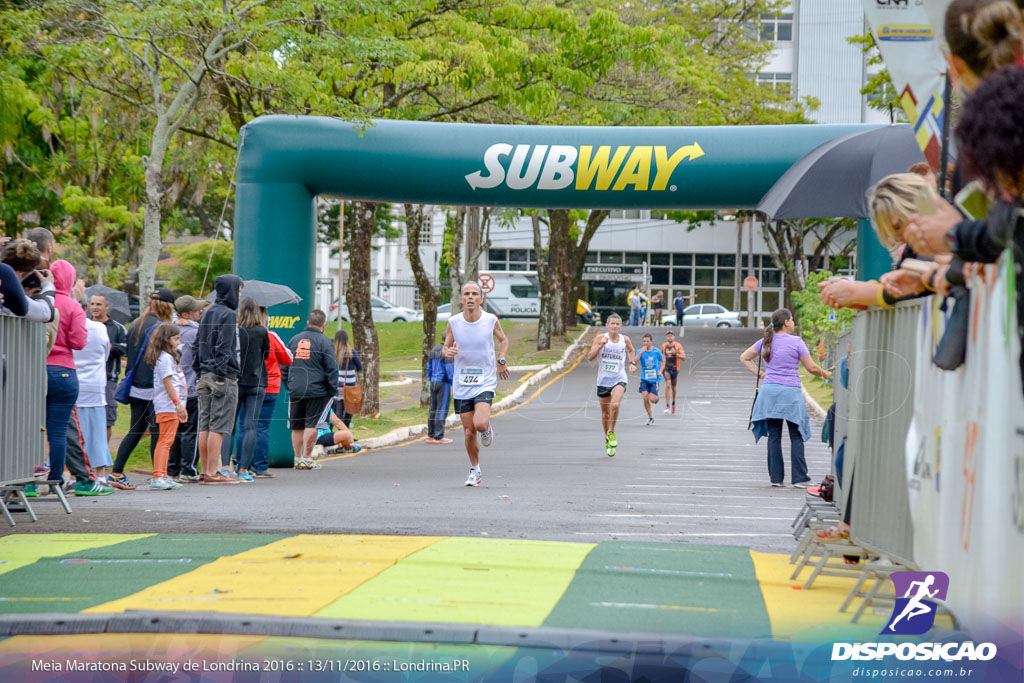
point(855, 592)
point(7, 513)
point(868, 598)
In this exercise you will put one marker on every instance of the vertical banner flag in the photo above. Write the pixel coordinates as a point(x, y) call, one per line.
point(911, 50)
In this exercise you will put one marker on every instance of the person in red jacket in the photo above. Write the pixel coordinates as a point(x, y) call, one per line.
point(279, 355)
point(61, 377)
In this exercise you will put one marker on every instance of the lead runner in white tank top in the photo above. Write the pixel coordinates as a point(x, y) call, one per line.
point(475, 371)
point(469, 343)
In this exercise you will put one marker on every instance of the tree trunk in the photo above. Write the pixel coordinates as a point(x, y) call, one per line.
point(550, 302)
point(455, 264)
point(151, 243)
point(740, 220)
point(560, 241)
point(577, 256)
point(472, 273)
point(364, 333)
point(415, 219)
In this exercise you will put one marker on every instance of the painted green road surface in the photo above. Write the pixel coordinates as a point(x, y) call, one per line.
point(666, 588)
point(81, 579)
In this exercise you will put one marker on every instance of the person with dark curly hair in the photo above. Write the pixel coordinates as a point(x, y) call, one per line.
point(990, 137)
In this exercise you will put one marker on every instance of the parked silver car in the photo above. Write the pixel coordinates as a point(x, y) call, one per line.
point(698, 314)
point(383, 311)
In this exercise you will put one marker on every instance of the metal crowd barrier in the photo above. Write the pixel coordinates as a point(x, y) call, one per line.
point(880, 407)
point(22, 398)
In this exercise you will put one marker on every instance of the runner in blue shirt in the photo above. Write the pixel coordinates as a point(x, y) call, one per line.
point(651, 364)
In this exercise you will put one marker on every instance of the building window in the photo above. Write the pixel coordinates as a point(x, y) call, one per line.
point(629, 214)
point(706, 260)
point(591, 257)
point(427, 234)
point(497, 259)
point(777, 27)
point(659, 276)
point(635, 258)
point(611, 257)
point(782, 81)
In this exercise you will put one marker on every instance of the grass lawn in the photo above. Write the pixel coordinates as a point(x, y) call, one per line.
point(400, 349)
point(819, 389)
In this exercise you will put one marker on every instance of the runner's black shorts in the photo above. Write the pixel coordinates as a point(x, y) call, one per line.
point(468, 405)
point(672, 374)
point(605, 392)
point(304, 413)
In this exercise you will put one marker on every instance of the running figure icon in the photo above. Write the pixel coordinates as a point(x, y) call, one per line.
point(915, 607)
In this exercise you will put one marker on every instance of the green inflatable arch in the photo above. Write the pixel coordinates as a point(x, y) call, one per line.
point(284, 162)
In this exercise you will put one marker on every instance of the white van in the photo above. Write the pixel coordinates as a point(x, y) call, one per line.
point(516, 294)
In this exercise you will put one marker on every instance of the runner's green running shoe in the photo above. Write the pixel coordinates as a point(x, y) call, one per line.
point(611, 440)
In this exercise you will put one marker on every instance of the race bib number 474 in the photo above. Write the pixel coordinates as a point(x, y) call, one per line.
point(471, 376)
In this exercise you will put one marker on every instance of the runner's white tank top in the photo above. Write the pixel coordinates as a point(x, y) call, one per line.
point(611, 364)
point(475, 370)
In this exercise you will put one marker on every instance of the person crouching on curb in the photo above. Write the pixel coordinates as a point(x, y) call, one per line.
point(169, 390)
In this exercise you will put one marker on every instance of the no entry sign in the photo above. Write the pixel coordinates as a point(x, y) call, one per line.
point(486, 283)
point(750, 282)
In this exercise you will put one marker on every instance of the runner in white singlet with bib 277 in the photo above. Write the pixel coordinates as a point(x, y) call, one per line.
point(469, 341)
point(613, 351)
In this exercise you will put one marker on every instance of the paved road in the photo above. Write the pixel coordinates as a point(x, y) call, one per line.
point(691, 477)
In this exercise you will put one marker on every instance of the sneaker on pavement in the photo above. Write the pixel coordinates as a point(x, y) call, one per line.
point(474, 478)
point(612, 441)
point(303, 464)
point(226, 473)
point(187, 479)
point(777, 484)
point(265, 474)
point(30, 491)
point(803, 484)
point(40, 471)
point(119, 481)
point(352, 450)
point(218, 479)
point(244, 477)
point(673, 408)
point(69, 485)
point(488, 436)
point(92, 488)
point(650, 421)
point(160, 484)
point(668, 409)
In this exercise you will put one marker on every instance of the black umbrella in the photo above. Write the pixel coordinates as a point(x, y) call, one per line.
point(267, 294)
point(118, 300)
point(832, 180)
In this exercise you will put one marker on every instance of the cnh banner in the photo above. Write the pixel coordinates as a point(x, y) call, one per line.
point(910, 47)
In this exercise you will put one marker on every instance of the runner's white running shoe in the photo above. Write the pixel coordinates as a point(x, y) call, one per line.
point(650, 421)
point(474, 478)
point(485, 437)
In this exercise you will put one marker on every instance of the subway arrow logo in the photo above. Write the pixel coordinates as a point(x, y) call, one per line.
point(552, 168)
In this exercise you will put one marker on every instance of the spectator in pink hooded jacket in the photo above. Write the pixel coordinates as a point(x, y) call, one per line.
point(61, 378)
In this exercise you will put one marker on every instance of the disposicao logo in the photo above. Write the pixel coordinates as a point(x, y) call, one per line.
point(914, 613)
point(557, 167)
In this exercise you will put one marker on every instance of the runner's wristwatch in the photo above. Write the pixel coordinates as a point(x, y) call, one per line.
point(501, 361)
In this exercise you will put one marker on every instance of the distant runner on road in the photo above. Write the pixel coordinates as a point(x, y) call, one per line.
point(652, 364)
point(469, 341)
point(674, 356)
point(614, 351)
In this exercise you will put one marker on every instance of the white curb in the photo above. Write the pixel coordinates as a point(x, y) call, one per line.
point(405, 433)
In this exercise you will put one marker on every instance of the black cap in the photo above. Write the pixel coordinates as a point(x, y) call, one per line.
point(162, 294)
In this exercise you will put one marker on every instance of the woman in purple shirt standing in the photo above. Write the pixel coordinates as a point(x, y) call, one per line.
point(780, 399)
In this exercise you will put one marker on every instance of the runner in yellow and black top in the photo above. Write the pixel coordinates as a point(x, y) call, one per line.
point(674, 356)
